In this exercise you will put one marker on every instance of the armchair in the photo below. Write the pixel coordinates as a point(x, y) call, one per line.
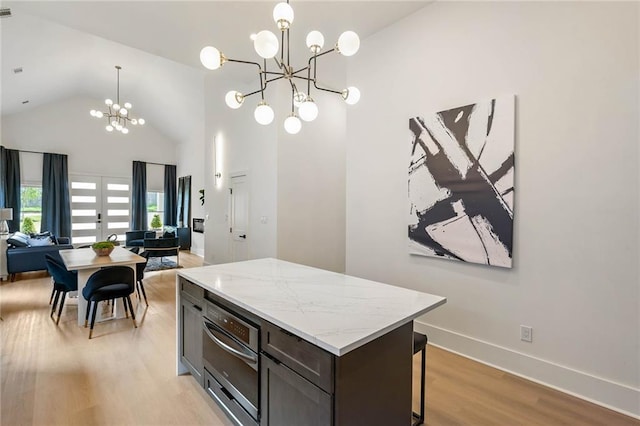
point(160, 247)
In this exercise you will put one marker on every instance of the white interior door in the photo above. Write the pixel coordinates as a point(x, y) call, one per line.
point(239, 214)
point(100, 206)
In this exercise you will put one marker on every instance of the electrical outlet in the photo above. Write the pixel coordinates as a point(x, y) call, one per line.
point(526, 333)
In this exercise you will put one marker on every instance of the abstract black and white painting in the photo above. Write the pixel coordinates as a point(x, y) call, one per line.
point(461, 183)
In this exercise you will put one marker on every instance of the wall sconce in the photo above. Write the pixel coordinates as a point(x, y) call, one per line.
point(5, 215)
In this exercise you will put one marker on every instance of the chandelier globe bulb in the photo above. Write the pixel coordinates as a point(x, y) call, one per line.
point(210, 57)
point(125, 130)
point(263, 113)
point(283, 15)
point(308, 111)
point(292, 124)
point(108, 102)
point(351, 95)
point(109, 128)
point(141, 121)
point(134, 121)
point(93, 113)
point(315, 41)
point(123, 111)
point(127, 105)
point(116, 107)
point(266, 44)
point(234, 99)
point(99, 114)
point(348, 43)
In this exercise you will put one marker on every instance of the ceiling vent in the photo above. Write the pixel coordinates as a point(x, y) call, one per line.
point(25, 102)
point(17, 70)
point(5, 12)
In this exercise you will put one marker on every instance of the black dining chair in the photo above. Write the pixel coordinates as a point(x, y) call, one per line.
point(140, 267)
point(109, 283)
point(63, 282)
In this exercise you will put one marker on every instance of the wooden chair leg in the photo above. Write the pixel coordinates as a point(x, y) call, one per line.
point(55, 302)
point(64, 296)
point(133, 315)
point(93, 318)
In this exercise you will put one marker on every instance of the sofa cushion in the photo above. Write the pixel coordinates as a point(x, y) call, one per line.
point(18, 239)
point(40, 241)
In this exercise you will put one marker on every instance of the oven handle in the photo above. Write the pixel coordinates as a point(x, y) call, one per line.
point(253, 359)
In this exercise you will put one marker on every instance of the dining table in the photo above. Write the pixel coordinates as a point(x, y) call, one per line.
point(86, 262)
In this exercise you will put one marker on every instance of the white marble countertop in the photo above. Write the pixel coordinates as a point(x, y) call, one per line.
point(334, 311)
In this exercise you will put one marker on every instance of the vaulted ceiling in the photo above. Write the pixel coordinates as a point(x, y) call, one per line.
point(70, 48)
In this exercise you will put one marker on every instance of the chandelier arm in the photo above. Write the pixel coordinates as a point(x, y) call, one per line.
point(288, 58)
point(280, 64)
point(282, 44)
point(293, 94)
point(325, 89)
point(245, 62)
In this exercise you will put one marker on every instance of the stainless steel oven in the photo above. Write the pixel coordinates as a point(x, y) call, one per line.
point(230, 352)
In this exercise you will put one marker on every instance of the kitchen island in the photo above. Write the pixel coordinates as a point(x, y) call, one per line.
point(332, 349)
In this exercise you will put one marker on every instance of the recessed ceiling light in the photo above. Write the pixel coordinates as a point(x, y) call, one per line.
point(17, 70)
point(25, 102)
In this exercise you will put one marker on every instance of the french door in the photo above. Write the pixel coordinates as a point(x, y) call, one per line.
point(100, 206)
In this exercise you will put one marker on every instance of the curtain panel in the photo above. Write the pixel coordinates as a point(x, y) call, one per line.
point(56, 206)
point(184, 201)
point(170, 203)
point(10, 184)
point(139, 197)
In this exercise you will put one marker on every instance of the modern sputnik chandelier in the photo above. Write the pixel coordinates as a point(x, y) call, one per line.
point(118, 115)
point(266, 45)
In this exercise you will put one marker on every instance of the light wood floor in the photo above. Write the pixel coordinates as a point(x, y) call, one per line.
point(124, 376)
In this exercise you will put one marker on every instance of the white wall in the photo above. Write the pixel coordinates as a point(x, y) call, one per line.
point(574, 69)
point(311, 176)
point(191, 162)
point(67, 128)
point(234, 142)
point(296, 181)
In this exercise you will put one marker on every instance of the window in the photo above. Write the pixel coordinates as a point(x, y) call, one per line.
point(30, 208)
point(155, 206)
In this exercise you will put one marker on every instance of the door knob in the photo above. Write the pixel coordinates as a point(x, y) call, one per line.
point(243, 236)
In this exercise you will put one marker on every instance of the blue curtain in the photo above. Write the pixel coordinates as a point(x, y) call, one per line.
point(56, 208)
point(184, 201)
point(139, 197)
point(10, 184)
point(170, 203)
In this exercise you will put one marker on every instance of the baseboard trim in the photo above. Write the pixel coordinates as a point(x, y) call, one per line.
point(606, 393)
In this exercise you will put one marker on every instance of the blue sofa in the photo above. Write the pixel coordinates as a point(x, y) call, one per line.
point(136, 238)
point(27, 259)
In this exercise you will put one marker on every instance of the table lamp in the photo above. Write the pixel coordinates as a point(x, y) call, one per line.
point(5, 214)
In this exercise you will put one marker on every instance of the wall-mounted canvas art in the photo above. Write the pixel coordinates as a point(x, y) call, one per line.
point(461, 183)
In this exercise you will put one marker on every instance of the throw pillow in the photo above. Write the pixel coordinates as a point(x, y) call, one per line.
point(40, 242)
point(18, 239)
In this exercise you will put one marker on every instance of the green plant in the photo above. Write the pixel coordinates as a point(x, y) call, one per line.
point(102, 245)
point(201, 197)
point(155, 222)
point(27, 226)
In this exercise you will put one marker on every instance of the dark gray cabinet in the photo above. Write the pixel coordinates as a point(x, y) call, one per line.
point(304, 385)
point(289, 399)
point(191, 304)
